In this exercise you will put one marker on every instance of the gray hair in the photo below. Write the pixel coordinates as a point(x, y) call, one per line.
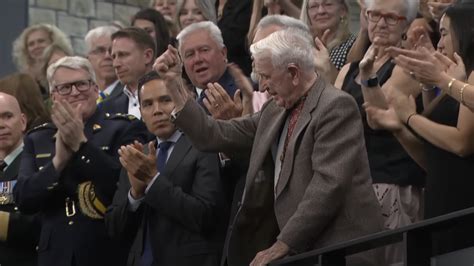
point(342, 32)
point(282, 21)
point(285, 47)
point(285, 22)
point(208, 26)
point(410, 7)
point(101, 31)
point(71, 62)
point(20, 50)
point(207, 8)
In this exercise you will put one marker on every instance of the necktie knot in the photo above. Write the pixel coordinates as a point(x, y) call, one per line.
point(163, 148)
point(165, 145)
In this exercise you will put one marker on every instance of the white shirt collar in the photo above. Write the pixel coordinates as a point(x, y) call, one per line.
point(111, 87)
point(174, 138)
point(12, 156)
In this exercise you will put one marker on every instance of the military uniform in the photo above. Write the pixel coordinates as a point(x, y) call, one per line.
point(72, 203)
point(18, 232)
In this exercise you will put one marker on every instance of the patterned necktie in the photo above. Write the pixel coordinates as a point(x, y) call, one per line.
point(294, 115)
point(163, 147)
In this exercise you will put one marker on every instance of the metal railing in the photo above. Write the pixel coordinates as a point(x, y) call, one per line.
point(415, 238)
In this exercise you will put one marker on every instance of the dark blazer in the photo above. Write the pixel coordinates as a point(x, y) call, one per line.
point(23, 230)
point(184, 209)
point(116, 104)
point(324, 194)
point(118, 89)
point(86, 186)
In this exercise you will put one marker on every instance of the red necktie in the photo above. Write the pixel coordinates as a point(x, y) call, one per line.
point(294, 115)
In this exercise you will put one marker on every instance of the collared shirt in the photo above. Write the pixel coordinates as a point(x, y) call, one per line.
point(111, 87)
point(133, 104)
point(135, 203)
point(12, 156)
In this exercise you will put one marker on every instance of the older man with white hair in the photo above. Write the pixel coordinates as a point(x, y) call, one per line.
point(99, 52)
point(308, 184)
point(70, 169)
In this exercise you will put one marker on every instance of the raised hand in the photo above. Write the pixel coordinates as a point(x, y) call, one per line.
point(219, 103)
point(366, 65)
point(169, 64)
point(244, 86)
point(382, 119)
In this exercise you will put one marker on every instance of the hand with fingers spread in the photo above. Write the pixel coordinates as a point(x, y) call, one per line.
point(276, 251)
point(437, 9)
point(69, 123)
point(219, 103)
point(427, 67)
point(244, 86)
point(421, 38)
point(322, 60)
point(138, 164)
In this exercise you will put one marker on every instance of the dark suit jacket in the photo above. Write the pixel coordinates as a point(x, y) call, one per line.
point(324, 194)
point(184, 209)
point(116, 104)
point(89, 180)
point(118, 89)
point(23, 230)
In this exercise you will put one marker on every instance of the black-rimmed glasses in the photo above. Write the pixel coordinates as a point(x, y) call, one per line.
point(80, 85)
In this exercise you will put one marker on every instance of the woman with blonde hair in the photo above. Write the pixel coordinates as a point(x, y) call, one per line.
point(192, 11)
point(29, 47)
point(328, 20)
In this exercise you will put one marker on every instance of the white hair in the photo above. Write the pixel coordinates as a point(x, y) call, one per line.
point(71, 62)
point(409, 6)
point(282, 21)
point(101, 31)
point(208, 26)
point(285, 47)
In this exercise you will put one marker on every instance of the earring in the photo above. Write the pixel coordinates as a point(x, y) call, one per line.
point(343, 20)
point(404, 36)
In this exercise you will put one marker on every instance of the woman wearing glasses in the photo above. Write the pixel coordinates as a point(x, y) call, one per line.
point(397, 179)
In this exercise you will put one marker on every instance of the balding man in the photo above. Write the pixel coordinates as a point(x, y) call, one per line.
point(18, 233)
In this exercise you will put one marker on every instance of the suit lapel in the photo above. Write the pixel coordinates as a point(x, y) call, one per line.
point(303, 121)
point(270, 125)
point(180, 150)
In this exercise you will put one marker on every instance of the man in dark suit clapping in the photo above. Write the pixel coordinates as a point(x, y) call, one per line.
point(170, 203)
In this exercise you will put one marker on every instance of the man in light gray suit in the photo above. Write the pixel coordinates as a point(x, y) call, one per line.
point(308, 184)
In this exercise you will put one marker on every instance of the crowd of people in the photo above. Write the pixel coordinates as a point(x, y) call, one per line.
point(237, 133)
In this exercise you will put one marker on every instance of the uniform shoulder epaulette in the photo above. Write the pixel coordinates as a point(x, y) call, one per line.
point(42, 126)
point(127, 117)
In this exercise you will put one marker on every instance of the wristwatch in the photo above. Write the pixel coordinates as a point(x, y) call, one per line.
point(371, 82)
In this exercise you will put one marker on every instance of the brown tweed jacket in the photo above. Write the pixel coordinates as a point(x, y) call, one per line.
point(324, 194)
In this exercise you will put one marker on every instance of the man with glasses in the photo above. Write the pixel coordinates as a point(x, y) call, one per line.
point(70, 169)
point(99, 45)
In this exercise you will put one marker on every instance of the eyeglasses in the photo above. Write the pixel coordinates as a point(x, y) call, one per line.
point(66, 88)
point(390, 18)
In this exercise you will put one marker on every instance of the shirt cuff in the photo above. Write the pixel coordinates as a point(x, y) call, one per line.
point(151, 183)
point(134, 203)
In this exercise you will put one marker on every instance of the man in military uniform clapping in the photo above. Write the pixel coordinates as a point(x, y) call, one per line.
point(70, 169)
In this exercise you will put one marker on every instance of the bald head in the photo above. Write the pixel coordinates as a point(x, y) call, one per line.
point(12, 124)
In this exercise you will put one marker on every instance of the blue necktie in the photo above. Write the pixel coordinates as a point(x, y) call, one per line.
point(147, 256)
